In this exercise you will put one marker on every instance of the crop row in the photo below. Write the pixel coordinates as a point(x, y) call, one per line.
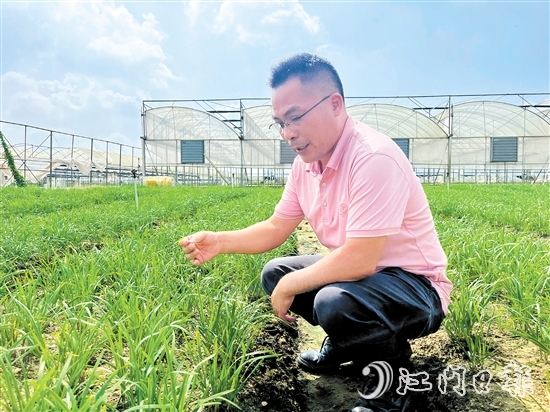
point(496, 240)
point(100, 311)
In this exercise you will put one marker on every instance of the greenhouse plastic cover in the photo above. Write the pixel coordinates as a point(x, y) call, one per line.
point(39, 160)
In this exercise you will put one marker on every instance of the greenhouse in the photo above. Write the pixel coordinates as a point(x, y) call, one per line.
point(484, 139)
point(56, 159)
point(447, 139)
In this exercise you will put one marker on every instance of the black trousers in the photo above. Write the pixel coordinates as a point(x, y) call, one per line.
point(372, 318)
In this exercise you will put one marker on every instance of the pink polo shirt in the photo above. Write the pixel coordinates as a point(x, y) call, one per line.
point(369, 189)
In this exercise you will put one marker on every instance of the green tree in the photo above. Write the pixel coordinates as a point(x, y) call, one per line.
point(19, 179)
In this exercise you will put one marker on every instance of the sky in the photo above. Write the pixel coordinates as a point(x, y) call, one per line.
point(85, 67)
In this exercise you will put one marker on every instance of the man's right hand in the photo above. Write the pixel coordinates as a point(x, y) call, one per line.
point(200, 247)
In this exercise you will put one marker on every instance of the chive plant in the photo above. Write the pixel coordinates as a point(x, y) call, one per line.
point(499, 259)
point(99, 310)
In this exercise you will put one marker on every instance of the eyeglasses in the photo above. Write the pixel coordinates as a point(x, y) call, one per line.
point(279, 127)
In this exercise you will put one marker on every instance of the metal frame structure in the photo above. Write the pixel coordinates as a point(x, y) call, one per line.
point(450, 137)
point(57, 159)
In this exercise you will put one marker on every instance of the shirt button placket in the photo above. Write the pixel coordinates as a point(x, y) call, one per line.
point(325, 203)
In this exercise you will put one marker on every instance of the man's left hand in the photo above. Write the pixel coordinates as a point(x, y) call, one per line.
point(281, 301)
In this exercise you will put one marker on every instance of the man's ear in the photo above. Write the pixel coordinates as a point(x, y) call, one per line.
point(337, 103)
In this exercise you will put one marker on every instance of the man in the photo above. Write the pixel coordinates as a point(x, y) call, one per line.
point(384, 280)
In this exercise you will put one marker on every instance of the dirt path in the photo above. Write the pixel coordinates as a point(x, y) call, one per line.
point(323, 393)
point(432, 354)
point(280, 386)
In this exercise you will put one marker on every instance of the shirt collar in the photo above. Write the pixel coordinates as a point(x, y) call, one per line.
point(314, 168)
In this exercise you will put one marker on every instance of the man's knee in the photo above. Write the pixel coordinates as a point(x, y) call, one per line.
point(331, 306)
point(271, 274)
point(276, 268)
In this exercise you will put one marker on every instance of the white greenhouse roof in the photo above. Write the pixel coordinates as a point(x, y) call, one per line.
point(256, 123)
point(85, 160)
point(470, 119)
point(184, 123)
point(494, 119)
point(396, 121)
point(235, 135)
point(544, 112)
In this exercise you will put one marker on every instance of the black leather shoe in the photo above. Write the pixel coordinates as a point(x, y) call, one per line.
point(328, 359)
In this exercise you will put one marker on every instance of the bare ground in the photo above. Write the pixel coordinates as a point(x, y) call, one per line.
point(280, 386)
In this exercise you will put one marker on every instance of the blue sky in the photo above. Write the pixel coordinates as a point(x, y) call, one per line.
point(85, 67)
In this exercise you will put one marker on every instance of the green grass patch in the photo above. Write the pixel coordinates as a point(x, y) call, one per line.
point(496, 240)
point(99, 310)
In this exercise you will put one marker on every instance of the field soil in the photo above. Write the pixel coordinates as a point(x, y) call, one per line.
point(280, 386)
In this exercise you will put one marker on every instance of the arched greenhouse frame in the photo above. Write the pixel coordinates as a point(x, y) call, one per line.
point(447, 138)
point(489, 138)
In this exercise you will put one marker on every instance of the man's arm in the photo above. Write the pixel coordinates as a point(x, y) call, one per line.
point(354, 260)
point(258, 238)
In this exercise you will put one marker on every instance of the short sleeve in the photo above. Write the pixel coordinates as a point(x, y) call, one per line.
point(289, 206)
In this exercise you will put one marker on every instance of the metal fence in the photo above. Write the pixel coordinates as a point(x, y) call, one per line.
point(56, 159)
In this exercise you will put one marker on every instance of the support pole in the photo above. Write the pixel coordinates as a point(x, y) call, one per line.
point(91, 159)
point(72, 157)
point(51, 158)
point(25, 156)
point(120, 165)
point(142, 157)
point(449, 144)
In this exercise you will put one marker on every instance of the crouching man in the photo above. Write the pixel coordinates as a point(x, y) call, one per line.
point(384, 280)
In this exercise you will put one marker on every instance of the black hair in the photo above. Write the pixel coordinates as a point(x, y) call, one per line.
point(305, 66)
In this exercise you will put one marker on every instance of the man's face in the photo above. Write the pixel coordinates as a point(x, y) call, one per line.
point(314, 136)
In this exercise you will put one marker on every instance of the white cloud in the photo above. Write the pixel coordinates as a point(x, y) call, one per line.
point(161, 74)
point(113, 31)
point(297, 11)
point(243, 16)
point(311, 23)
point(22, 91)
point(322, 48)
point(123, 139)
point(164, 71)
point(248, 37)
point(74, 102)
point(192, 11)
point(225, 17)
point(73, 92)
point(130, 49)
